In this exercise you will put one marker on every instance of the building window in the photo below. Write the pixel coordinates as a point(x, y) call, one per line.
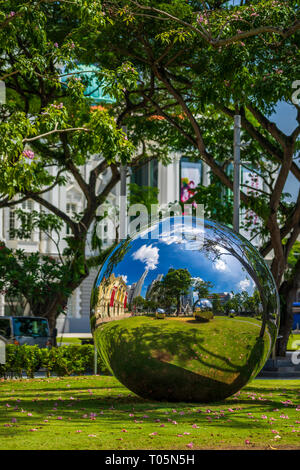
point(71, 209)
point(26, 206)
point(146, 175)
point(12, 224)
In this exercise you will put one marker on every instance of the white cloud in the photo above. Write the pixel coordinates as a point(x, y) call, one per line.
point(220, 265)
point(124, 277)
point(149, 255)
point(244, 284)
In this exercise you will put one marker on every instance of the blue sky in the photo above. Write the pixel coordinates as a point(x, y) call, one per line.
point(285, 118)
point(225, 273)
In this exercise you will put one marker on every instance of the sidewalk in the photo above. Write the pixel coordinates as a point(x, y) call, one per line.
point(282, 367)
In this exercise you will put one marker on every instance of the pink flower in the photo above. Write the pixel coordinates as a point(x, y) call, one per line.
point(153, 434)
point(92, 435)
point(242, 44)
point(195, 426)
point(55, 44)
point(79, 430)
point(14, 420)
point(247, 441)
point(33, 429)
point(190, 445)
point(28, 154)
point(12, 13)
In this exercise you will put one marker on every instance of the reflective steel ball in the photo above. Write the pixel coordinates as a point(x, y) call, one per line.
point(186, 310)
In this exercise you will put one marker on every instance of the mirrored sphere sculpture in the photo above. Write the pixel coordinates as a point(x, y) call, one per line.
point(186, 310)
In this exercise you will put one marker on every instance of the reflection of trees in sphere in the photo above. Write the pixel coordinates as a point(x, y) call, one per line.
point(189, 354)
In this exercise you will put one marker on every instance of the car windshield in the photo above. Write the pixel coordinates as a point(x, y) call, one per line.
point(30, 327)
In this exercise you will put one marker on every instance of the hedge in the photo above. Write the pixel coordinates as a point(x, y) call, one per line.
point(62, 361)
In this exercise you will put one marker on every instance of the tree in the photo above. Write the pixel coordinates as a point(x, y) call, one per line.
point(216, 303)
point(139, 303)
point(176, 283)
point(197, 59)
point(48, 131)
point(201, 288)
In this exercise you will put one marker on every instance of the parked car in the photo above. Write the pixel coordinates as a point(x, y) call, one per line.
point(26, 330)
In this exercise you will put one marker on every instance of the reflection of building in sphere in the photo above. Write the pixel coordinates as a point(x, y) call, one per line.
point(188, 301)
point(150, 287)
point(139, 285)
point(131, 290)
point(223, 296)
point(112, 298)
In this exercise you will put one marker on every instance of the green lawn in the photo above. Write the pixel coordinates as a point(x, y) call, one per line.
point(65, 340)
point(99, 413)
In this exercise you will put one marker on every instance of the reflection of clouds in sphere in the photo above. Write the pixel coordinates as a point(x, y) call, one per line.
point(147, 254)
point(220, 265)
point(244, 284)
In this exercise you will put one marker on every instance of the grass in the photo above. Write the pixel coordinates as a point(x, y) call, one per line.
point(182, 359)
point(65, 340)
point(99, 413)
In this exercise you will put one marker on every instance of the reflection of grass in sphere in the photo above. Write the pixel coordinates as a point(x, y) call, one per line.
point(179, 359)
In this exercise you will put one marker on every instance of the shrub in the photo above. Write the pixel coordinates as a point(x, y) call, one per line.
point(204, 316)
point(62, 361)
point(160, 316)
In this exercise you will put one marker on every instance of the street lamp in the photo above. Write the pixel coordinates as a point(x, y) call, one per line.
point(123, 198)
point(236, 172)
